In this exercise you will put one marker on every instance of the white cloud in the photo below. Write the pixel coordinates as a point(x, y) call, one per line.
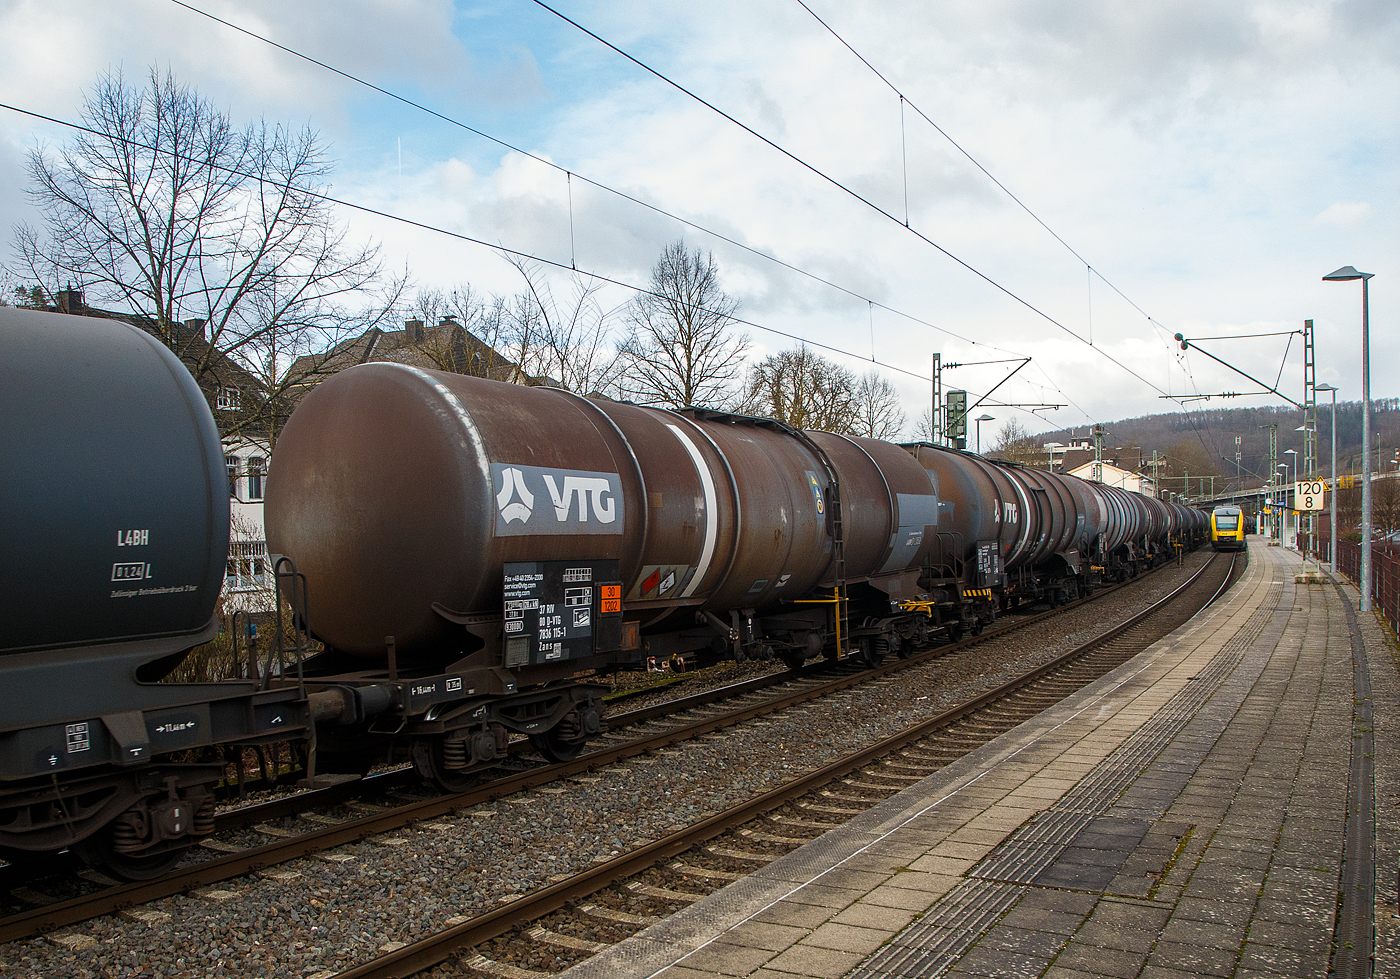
point(1193, 152)
point(1344, 214)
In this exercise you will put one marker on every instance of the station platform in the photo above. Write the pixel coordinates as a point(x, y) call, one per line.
point(1224, 804)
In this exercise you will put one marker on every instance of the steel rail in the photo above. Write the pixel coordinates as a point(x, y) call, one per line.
point(332, 795)
point(435, 949)
point(27, 924)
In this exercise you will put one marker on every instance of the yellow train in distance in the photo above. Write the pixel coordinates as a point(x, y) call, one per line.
point(1227, 528)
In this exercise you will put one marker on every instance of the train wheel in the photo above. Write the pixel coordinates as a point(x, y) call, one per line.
point(794, 659)
point(955, 631)
point(870, 654)
point(565, 740)
point(554, 747)
point(428, 759)
point(134, 866)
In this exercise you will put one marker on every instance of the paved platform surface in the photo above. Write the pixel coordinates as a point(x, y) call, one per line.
point(1184, 816)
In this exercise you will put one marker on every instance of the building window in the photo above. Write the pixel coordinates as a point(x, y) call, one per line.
point(255, 477)
point(247, 566)
point(229, 399)
point(231, 462)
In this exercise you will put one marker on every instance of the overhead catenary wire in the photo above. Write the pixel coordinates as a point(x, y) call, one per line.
point(1090, 271)
point(848, 191)
point(423, 226)
point(904, 99)
point(570, 175)
point(605, 188)
point(611, 190)
point(597, 184)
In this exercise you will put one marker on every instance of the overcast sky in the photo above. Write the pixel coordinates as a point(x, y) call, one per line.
point(1210, 160)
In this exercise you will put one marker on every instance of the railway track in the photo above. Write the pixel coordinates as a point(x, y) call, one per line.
point(794, 687)
point(684, 866)
point(707, 856)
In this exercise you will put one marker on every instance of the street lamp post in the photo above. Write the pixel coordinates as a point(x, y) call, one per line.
point(980, 419)
point(1348, 273)
point(1332, 546)
point(1307, 524)
point(1291, 469)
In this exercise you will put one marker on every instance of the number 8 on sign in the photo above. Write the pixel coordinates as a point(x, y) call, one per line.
point(1308, 495)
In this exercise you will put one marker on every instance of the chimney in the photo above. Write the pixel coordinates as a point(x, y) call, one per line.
point(413, 331)
point(70, 301)
point(195, 328)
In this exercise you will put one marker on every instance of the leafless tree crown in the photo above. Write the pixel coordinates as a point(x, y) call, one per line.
point(212, 236)
point(681, 349)
point(878, 411)
point(467, 332)
point(803, 389)
point(561, 342)
point(1015, 443)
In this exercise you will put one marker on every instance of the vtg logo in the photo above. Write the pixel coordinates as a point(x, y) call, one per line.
point(584, 502)
point(514, 501)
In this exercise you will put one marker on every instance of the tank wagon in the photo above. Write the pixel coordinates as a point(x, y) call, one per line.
point(493, 541)
point(1019, 534)
point(116, 519)
point(471, 555)
point(497, 543)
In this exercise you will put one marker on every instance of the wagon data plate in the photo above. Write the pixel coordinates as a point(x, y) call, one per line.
point(560, 610)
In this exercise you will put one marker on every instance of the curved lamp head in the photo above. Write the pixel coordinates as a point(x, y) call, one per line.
point(1346, 274)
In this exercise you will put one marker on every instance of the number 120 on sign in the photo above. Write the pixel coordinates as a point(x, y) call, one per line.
point(1308, 496)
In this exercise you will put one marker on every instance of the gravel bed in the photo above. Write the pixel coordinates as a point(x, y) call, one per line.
point(665, 687)
point(317, 916)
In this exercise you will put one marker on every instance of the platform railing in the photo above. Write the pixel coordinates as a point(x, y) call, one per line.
point(1385, 576)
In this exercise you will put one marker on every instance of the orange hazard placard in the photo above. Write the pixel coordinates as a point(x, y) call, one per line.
point(611, 596)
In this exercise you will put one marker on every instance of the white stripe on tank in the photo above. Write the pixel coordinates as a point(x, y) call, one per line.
point(707, 553)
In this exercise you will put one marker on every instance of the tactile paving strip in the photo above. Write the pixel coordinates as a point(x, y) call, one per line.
point(930, 945)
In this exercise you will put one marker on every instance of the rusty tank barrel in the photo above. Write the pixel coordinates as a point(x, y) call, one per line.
point(978, 502)
point(401, 493)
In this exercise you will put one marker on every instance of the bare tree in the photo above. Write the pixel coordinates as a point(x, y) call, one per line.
point(1015, 443)
point(466, 332)
point(803, 389)
point(680, 350)
point(1385, 506)
point(923, 428)
point(211, 237)
point(878, 414)
point(561, 342)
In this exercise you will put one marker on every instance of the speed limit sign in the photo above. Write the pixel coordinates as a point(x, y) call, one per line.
point(1308, 496)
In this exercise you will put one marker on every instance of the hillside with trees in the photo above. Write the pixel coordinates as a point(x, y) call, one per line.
point(1202, 442)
